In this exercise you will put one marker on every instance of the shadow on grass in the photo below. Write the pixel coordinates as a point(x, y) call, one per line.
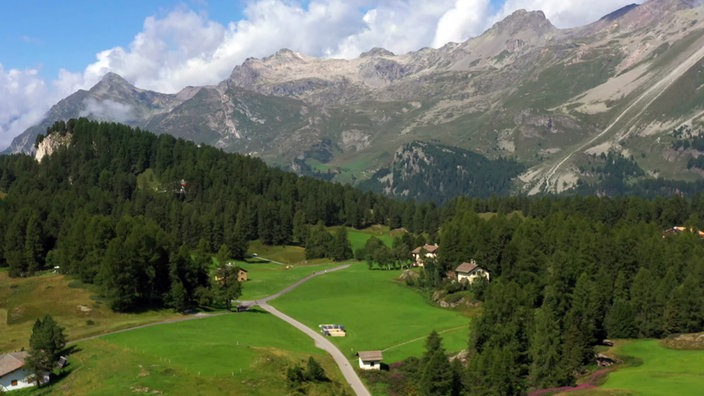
point(256, 310)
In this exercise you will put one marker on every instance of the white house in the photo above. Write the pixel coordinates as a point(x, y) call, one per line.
point(470, 272)
point(370, 360)
point(424, 252)
point(14, 375)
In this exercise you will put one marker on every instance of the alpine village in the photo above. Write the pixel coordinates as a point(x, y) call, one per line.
point(518, 214)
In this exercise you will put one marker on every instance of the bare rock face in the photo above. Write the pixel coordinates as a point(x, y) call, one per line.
point(523, 89)
point(50, 144)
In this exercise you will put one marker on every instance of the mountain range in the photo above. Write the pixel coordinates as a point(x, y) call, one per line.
point(540, 104)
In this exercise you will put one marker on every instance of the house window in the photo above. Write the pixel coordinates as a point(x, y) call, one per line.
point(13, 383)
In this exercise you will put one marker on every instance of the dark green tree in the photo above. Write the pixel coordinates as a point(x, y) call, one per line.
point(319, 242)
point(226, 287)
point(45, 346)
point(300, 228)
point(314, 371)
point(436, 375)
point(33, 246)
point(546, 368)
point(619, 321)
point(341, 248)
point(15, 245)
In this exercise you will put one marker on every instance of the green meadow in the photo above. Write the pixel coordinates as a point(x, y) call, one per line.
point(377, 311)
point(249, 352)
point(267, 279)
point(244, 353)
point(358, 238)
point(282, 254)
point(656, 370)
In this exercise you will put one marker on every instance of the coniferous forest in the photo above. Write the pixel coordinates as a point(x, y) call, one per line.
point(125, 209)
point(567, 272)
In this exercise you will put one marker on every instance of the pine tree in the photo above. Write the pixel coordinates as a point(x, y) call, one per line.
point(579, 332)
point(341, 248)
point(15, 246)
point(436, 374)
point(226, 287)
point(45, 346)
point(33, 248)
point(546, 347)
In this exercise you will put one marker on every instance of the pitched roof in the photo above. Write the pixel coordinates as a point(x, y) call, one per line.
point(10, 362)
point(428, 248)
point(467, 267)
point(366, 356)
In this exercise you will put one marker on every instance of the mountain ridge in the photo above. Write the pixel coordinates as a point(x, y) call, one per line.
point(523, 89)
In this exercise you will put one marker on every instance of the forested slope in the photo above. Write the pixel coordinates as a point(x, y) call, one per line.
point(108, 207)
point(568, 273)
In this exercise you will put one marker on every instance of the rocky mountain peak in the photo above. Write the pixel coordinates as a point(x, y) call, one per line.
point(111, 79)
point(112, 84)
point(284, 56)
point(522, 21)
point(376, 52)
point(618, 13)
point(650, 12)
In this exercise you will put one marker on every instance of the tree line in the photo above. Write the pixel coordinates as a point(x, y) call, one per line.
point(109, 208)
point(568, 273)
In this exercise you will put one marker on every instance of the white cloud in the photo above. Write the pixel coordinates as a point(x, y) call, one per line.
point(107, 110)
point(23, 101)
point(186, 48)
point(566, 13)
point(466, 19)
point(398, 26)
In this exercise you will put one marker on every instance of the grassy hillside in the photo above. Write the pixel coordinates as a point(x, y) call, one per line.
point(657, 370)
point(24, 300)
point(266, 279)
point(377, 311)
point(229, 354)
point(358, 238)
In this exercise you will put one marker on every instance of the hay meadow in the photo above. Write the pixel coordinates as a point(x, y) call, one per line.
point(378, 312)
point(656, 370)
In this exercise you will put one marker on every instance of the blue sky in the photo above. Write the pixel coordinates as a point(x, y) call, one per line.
point(49, 49)
point(49, 34)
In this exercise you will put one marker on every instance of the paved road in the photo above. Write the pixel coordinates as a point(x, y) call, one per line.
point(321, 342)
point(293, 286)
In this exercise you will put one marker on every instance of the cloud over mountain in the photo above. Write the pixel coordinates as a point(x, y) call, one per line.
point(185, 47)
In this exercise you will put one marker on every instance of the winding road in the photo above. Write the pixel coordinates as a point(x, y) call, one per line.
point(321, 342)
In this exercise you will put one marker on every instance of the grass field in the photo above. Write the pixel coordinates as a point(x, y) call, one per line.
point(243, 354)
point(663, 371)
point(24, 300)
point(377, 311)
point(283, 254)
point(358, 238)
point(267, 279)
